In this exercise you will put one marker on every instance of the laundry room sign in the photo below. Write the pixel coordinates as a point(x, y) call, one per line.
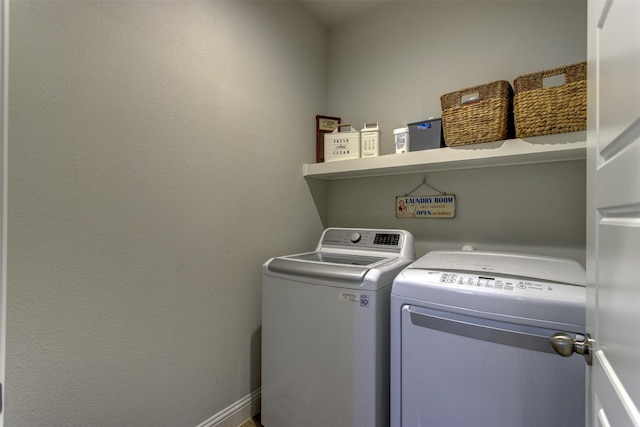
point(434, 206)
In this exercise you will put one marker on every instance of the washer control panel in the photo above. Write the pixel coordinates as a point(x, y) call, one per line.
point(338, 237)
point(388, 240)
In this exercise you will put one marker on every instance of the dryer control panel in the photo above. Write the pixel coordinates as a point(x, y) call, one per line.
point(486, 292)
point(500, 283)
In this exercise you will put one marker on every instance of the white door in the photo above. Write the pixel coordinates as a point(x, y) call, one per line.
point(613, 212)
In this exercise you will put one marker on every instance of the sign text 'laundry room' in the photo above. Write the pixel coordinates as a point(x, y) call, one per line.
point(438, 206)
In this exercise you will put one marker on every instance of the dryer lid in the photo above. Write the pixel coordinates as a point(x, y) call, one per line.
point(534, 267)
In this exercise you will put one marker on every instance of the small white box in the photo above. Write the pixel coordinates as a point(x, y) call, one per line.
point(342, 145)
point(401, 139)
point(370, 140)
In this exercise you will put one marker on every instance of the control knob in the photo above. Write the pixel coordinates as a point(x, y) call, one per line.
point(355, 237)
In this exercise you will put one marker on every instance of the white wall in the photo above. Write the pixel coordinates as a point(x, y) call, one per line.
point(155, 153)
point(392, 65)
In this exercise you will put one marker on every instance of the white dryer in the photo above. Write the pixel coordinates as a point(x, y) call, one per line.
point(325, 330)
point(471, 341)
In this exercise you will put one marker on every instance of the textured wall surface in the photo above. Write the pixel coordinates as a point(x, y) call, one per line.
point(155, 164)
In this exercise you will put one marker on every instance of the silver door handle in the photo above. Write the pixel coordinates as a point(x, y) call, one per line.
point(565, 346)
point(530, 340)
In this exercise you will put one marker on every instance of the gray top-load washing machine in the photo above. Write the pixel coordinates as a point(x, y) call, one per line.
point(471, 341)
point(325, 330)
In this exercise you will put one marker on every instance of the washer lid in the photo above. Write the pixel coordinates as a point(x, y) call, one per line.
point(337, 258)
point(534, 267)
point(335, 267)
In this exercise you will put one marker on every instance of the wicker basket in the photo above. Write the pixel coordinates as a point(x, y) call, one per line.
point(544, 111)
point(478, 114)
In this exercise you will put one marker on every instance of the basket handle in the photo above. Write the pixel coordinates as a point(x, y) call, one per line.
point(551, 78)
point(553, 81)
point(470, 98)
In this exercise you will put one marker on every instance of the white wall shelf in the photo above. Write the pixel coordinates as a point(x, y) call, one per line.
point(540, 149)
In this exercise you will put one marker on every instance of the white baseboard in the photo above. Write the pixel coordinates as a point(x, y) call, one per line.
point(236, 413)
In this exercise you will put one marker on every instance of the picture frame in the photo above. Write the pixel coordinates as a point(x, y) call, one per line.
point(324, 124)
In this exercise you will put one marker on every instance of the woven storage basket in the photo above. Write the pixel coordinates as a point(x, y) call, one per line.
point(544, 111)
point(487, 118)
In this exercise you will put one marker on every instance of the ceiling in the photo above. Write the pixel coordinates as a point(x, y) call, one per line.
point(334, 12)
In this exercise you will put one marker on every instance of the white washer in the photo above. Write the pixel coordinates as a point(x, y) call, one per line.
point(325, 330)
point(470, 341)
